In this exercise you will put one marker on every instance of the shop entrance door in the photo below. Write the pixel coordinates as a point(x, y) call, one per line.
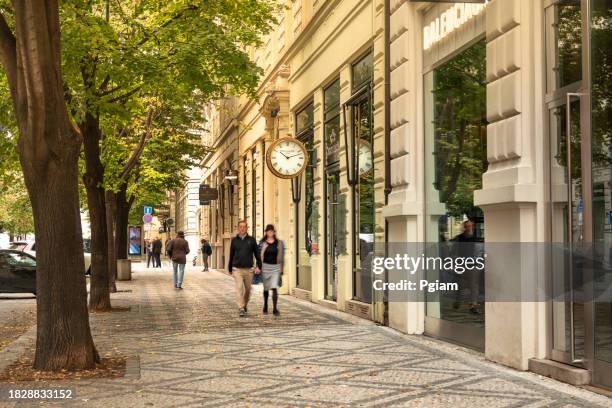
point(578, 38)
point(333, 234)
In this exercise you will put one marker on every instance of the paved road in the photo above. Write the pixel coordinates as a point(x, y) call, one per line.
point(195, 351)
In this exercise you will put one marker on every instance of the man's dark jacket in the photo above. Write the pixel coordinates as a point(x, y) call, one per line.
point(243, 252)
point(157, 246)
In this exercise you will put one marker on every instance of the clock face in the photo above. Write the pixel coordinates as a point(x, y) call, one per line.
point(365, 158)
point(287, 157)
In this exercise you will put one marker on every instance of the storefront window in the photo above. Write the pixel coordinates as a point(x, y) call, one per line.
point(304, 119)
point(362, 72)
point(363, 205)
point(245, 202)
point(564, 36)
point(307, 213)
point(456, 158)
point(332, 122)
point(334, 221)
point(254, 193)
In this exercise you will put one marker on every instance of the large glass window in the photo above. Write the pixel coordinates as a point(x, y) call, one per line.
point(564, 36)
point(455, 160)
point(600, 24)
point(307, 217)
point(254, 192)
point(332, 122)
point(304, 119)
point(361, 73)
point(335, 232)
point(363, 193)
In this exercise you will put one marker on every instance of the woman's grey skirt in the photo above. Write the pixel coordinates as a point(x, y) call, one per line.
point(271, 275)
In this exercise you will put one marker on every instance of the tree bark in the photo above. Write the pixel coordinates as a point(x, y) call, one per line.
point(99, 294)
point(110, 231)
point(121, 224)
point(48, 151)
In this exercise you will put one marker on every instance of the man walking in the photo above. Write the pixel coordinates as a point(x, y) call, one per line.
point(206, 252)
point(178, 249)
point(243, 252)
point(157, 248)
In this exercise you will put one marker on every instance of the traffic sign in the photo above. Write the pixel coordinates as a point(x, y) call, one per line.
point(148, 210)
point(147, 218)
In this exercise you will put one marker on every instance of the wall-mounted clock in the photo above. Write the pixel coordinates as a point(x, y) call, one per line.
point(287, 157)
point(366, 163)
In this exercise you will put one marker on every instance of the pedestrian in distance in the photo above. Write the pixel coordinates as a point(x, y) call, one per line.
point(271, 257)
point(242, 258)
point(206, 252)
point(149, 252)
point(157, 248)
point(178, 249)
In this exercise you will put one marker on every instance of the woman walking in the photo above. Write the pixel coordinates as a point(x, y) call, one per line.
point(271, 257)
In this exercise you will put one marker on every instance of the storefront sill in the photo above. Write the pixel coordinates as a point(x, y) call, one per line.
point(560, 372)
point(302, 294)
point(330, 304)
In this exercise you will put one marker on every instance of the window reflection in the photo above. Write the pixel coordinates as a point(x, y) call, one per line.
point(455, 106)
point(564, 36)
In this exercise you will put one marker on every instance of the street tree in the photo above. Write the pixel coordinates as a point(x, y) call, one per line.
point(48, 147)
point(117, 56)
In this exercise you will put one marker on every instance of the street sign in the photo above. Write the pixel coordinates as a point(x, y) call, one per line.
point(207, 193)
point(147, 218)
point(148, 210)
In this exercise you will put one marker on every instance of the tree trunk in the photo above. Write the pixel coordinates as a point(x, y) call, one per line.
point(121, 224)
point(48, 151)
point(99, 294)
point(63, 334)
point(110, 231)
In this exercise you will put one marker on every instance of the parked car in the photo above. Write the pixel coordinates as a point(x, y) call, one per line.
point(17, 272)
point(29, 247)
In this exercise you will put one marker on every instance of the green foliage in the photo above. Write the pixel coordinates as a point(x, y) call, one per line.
point(165, 58)
point(9, 159)
point(15, 209)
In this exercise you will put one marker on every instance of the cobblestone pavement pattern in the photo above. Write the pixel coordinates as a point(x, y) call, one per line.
point(195, 351)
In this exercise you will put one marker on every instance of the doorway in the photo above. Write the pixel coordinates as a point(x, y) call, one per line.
point(578, 36)
point(333, 234)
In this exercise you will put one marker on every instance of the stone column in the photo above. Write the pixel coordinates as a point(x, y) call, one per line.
point(404, 210)
point(513, 196)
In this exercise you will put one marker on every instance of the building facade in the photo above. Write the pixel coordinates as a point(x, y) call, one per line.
point(424, 120)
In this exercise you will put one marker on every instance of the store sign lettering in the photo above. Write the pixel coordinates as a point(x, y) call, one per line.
point(449, 21)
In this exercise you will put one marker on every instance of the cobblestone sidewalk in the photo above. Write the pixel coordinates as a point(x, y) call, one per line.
point(192, 350)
